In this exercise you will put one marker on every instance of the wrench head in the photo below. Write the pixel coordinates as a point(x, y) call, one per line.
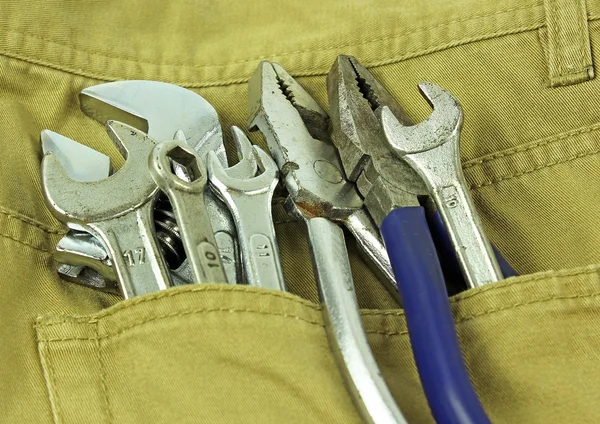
point(161, 164)
point(442, 126)
point(158, 109)
point(127, 189)
point(224, 183)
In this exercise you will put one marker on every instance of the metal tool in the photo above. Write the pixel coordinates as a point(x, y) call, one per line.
point(309, 162)
point(187, 198)
point(249, 200)
point(357, 98)
point(295, 128)
point(123, 218)
point(159, 109)
point(432, 149)
point(385, 182)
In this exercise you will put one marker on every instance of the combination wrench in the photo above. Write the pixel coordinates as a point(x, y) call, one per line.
point(187, 198)
point(431, 148)
point(249, 200)
point(122, 219)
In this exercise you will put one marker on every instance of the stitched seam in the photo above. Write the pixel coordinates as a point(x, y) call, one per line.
point(499, 286)
point(168, 293)
point(30, 221)
point(516, 281)
point(25, 243)
point(519, 304)
point(385, 333)
point(242, 80)
point(529, 171)
point(282, 54)
point(540, 143)
point(185, 313)
point(50, 382)
point(103, 382)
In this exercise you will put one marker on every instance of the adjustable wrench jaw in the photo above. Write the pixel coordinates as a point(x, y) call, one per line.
point(295, 128)
point(158, 109)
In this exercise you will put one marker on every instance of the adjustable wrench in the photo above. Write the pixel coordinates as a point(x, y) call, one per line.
point(295, 128)
point(187, 199)
point(117, 209)
point(249, 200)
point(431, 148)
point(159, 109)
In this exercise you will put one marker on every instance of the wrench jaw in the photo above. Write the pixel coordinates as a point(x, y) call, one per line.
point(126, 208)
point(227, 186)
point(444, 123)
point(135, 103)
point(249, 201)
point(77, 201)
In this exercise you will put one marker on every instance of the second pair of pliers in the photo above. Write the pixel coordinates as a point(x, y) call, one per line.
point(393, 193)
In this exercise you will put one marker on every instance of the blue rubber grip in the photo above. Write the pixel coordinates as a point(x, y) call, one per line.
point(445, 248)
point(448, 389)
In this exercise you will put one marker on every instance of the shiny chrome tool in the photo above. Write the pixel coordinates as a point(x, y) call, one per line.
point(295, 128)
point(431, 148)
point(386, 182)
point(122, 219)
point(159, 109)
point(310, 166)
point(249, 200)
point(187, 198)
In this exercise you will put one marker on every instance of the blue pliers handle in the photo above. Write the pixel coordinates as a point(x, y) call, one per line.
point(420, 280)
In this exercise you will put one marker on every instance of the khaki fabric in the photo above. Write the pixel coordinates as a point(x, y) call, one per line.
point(237, 354)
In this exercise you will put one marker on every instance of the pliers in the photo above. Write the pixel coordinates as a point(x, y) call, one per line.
point(393, 192)
point(296, 131)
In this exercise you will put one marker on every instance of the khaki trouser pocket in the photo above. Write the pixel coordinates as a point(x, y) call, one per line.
point(217, 353)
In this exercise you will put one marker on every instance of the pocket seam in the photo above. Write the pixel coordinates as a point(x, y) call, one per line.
point(172, 315)
point(103, 376)
point(168, 293)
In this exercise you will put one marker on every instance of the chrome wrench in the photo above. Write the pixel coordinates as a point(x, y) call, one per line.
point(160, 109)
point(249, 200)
point(123, 218)
point(187, 199)
point(431, 148)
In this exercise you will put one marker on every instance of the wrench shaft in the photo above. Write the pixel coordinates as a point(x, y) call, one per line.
point(446, 183)
point(136, 256)
point(260, 253)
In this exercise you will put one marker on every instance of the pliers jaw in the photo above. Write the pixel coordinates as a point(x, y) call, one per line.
point(296, 130)
point(356, 99)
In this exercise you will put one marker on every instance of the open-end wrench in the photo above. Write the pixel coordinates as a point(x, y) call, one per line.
point(161, 109)
point(295, 128)
point(123, 217)
point(249, 200)
point(431, 148)
point(187, 199)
